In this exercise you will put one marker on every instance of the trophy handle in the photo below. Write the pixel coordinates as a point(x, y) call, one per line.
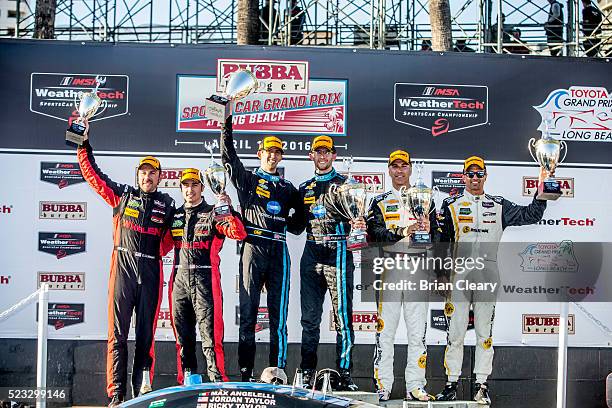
point(102, 108)
point(333, 191)
point(564, 148)
point(530, 147)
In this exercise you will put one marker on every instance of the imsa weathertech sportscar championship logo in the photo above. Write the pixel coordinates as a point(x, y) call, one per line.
point(61, 174)
point(449, 182)
point(546, 324)
point(62, 280)
point(375, 182)
point(54, 95)
point(62, 210)
point(530, 185)
point(286, 77)
point(64, 314)
point(441, 108)
point(61, 244)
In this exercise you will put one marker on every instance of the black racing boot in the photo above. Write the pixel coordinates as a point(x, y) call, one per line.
point(449, 393)
point(346, 382)
point(116, 401)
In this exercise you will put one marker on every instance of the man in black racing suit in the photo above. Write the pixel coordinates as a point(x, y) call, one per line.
point(194, 290)
point(265, 201)
point(326, 265)
point(141, 217)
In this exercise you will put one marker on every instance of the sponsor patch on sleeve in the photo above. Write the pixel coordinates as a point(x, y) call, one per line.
point(177, 232)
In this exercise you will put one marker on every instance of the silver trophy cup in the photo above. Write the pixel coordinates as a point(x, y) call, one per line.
point(351, 199)
point(548, 156)
point(86, 104)
point(419, 199)
point(216, 178)
point(241, 84)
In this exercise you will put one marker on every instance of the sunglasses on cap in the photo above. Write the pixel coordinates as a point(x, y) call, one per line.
point(480, 174)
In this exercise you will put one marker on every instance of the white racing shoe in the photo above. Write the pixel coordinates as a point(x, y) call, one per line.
point(145, 387)
point(383, 395)
point(481, 394)
point(419, 394)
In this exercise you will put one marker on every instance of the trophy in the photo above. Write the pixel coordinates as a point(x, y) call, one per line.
point(216, 178)
point(547, 152)
point(351, 198)
point(241, 84)
point(418, 199)
point(87, 106)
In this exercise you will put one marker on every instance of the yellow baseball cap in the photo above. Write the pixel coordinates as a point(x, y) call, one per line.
point(474, 160)
point(271, 141)
point(323, 141)
point(151, 161)
point(191, 174)
point(399, 155)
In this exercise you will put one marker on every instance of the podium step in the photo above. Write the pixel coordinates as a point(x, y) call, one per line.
point(369, 397)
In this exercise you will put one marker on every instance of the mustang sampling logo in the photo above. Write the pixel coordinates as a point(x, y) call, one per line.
point(440, 108)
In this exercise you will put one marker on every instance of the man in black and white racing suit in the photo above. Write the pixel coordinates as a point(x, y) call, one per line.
point(474, 222)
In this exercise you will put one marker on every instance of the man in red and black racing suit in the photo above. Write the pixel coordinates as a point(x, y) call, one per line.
point(141, 217)
point(194, 291)
point(266, 199)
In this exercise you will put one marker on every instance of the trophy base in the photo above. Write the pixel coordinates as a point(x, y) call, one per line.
point(75, 134)
point(356, 241)
point(222, 212)
point(217, 108)
point(421, 239)
point(549, 189)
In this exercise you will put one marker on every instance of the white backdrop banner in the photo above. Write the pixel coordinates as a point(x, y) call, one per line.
point(57, 230)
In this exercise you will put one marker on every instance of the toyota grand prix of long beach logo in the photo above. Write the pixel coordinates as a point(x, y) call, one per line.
point(441, 108)
point(53, 94)
point(580, 113)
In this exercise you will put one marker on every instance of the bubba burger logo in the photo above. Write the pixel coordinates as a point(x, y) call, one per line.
point(375, 182)
point(164, 319)
point(62, 280)
point(61, 174)
point(285, 77)
point(546, 324)
point(530, 185)
point(170, 178)
point(53, 95)
point(362, 321)
point(441, 108)
point(61, 244)
point(62, 210)
point(61, 315)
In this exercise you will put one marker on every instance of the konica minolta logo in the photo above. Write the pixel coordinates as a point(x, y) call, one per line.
point(54, 95)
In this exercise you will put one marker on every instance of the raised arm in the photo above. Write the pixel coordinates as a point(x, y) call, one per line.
point(515, 215)
point(106, 188)
point(238, 174)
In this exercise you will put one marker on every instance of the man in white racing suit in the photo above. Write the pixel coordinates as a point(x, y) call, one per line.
point(474, 223)
point(389, 222)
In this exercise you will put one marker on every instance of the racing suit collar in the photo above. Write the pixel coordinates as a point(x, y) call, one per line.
point(473, 197)
point(267, 176)
point(195, 207)
point(327, 176)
